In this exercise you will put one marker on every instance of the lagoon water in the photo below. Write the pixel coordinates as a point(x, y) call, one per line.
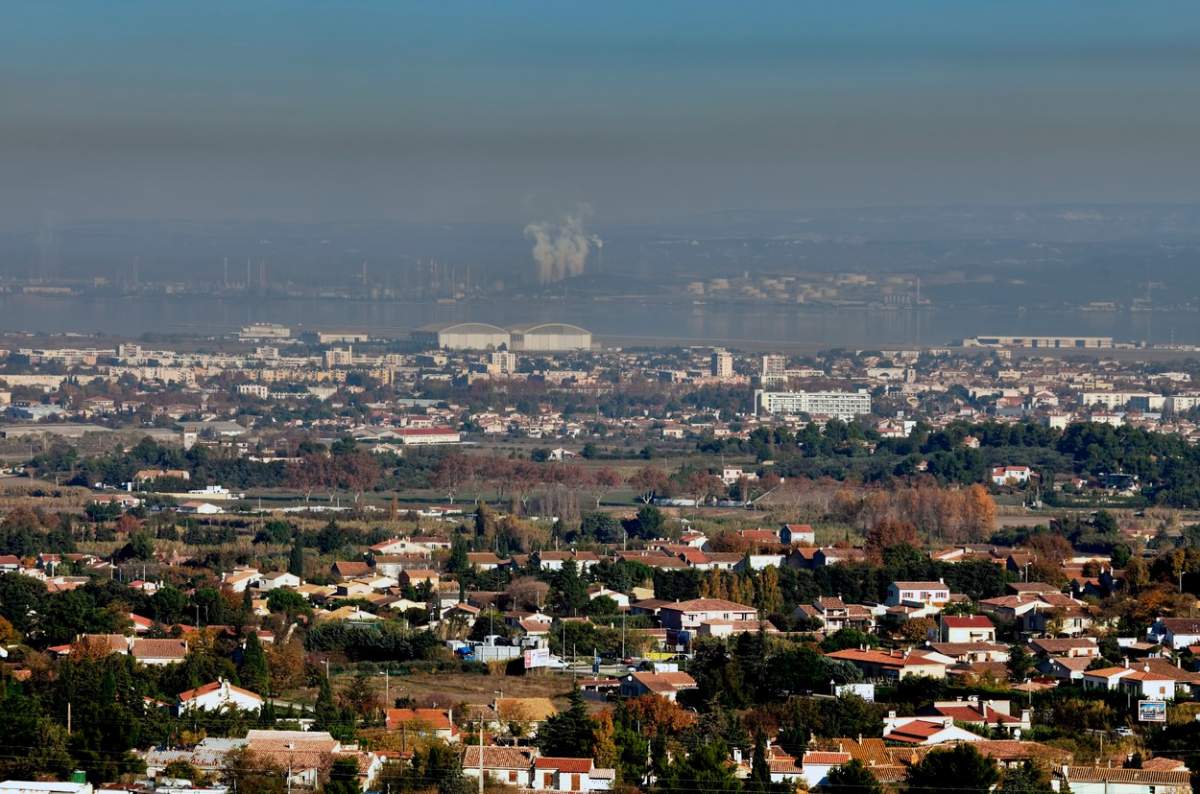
point(616, 321)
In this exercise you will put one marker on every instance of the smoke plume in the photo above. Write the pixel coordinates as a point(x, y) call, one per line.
point(561, 249)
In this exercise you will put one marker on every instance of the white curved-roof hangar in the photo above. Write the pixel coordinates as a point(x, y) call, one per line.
point(550, 336)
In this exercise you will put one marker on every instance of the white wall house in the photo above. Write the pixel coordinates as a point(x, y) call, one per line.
point(219, 694)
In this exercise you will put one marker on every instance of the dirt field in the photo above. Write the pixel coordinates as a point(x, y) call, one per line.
point(445, 688)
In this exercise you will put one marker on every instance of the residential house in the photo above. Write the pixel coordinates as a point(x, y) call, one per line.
point(797, 535)
point(922, 595)
point(966, 628)
point(984, 714)
point(667, 685)
point(688, 615)
point(419, 576)
point(1010, 475)
point(218, 695)
point(240, 578)
point(816, 765)
point(895, 664)
point(971, 653)
point(925, 730)
point(484, 560)
point(1119, 780)
point(598, 590)
point(1069, 647)
point(758, 562)
point(277, 579)
point(835, 614)
point(1176, 633)
point(350, 569)
point(570, 774)
point(512, 766)
point(436, 723)
point(158, 652)
point(1140, 682)
point(530, 712)
point(554, 560)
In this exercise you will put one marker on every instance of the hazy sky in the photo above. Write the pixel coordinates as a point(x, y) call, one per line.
point(449, 111)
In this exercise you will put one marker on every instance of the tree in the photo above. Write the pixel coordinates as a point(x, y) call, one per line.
point(248, 772)
point(287, 601)
point(601, 527)
point(979, 510)
point(705, 486)
point(8, 635)
point(183, 770)
point(168, 604)
point(959, 770)
point(852, 778)
point(656, 716)
point(648, 481)
point(886, 533)
point(1105, 523)
point(286, 664)
point(296, 557)
point(254, 672)
point(331, 537)
point(140, 546)
point(1020, 662)
point(458, 562)
point(569, 593)
point(647, 524)
point(760, 767)
point(917, 630)
point(358, 695)
point(437, 767)
point(604, 480)
point(707, 769)
point(325, 711)
point(343, 777)
point(570, 733)
point(1028, 778)
point(311, 472)
point(602, 606)
point(452, 471)
point(22, 599)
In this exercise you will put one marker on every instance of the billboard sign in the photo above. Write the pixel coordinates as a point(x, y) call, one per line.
point(1152, 711)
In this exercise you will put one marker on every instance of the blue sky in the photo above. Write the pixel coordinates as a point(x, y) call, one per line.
point(502, 111)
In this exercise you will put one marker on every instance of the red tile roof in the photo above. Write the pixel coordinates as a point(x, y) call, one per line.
point(434, 719)
point(575, 765)
point(967, 622)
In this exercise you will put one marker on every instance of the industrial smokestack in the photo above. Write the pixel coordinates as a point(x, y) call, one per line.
point(560, 250)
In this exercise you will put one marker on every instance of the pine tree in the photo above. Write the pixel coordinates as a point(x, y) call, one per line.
point(254, 673)
point(458, 563)
point(325, 712)
point(570, 591)
point(760, 768)
point(853, 778)
point(571, 733)
point(296, 560)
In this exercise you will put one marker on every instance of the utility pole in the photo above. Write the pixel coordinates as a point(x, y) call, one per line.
point(480, 752)
point(68, 718)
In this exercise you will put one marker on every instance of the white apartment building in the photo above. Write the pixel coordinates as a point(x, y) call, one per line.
point(722, 364)
point(844, 405)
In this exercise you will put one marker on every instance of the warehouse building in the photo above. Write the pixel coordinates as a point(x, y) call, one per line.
point(550, 337)
point(463, 336)
point(532, 337)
